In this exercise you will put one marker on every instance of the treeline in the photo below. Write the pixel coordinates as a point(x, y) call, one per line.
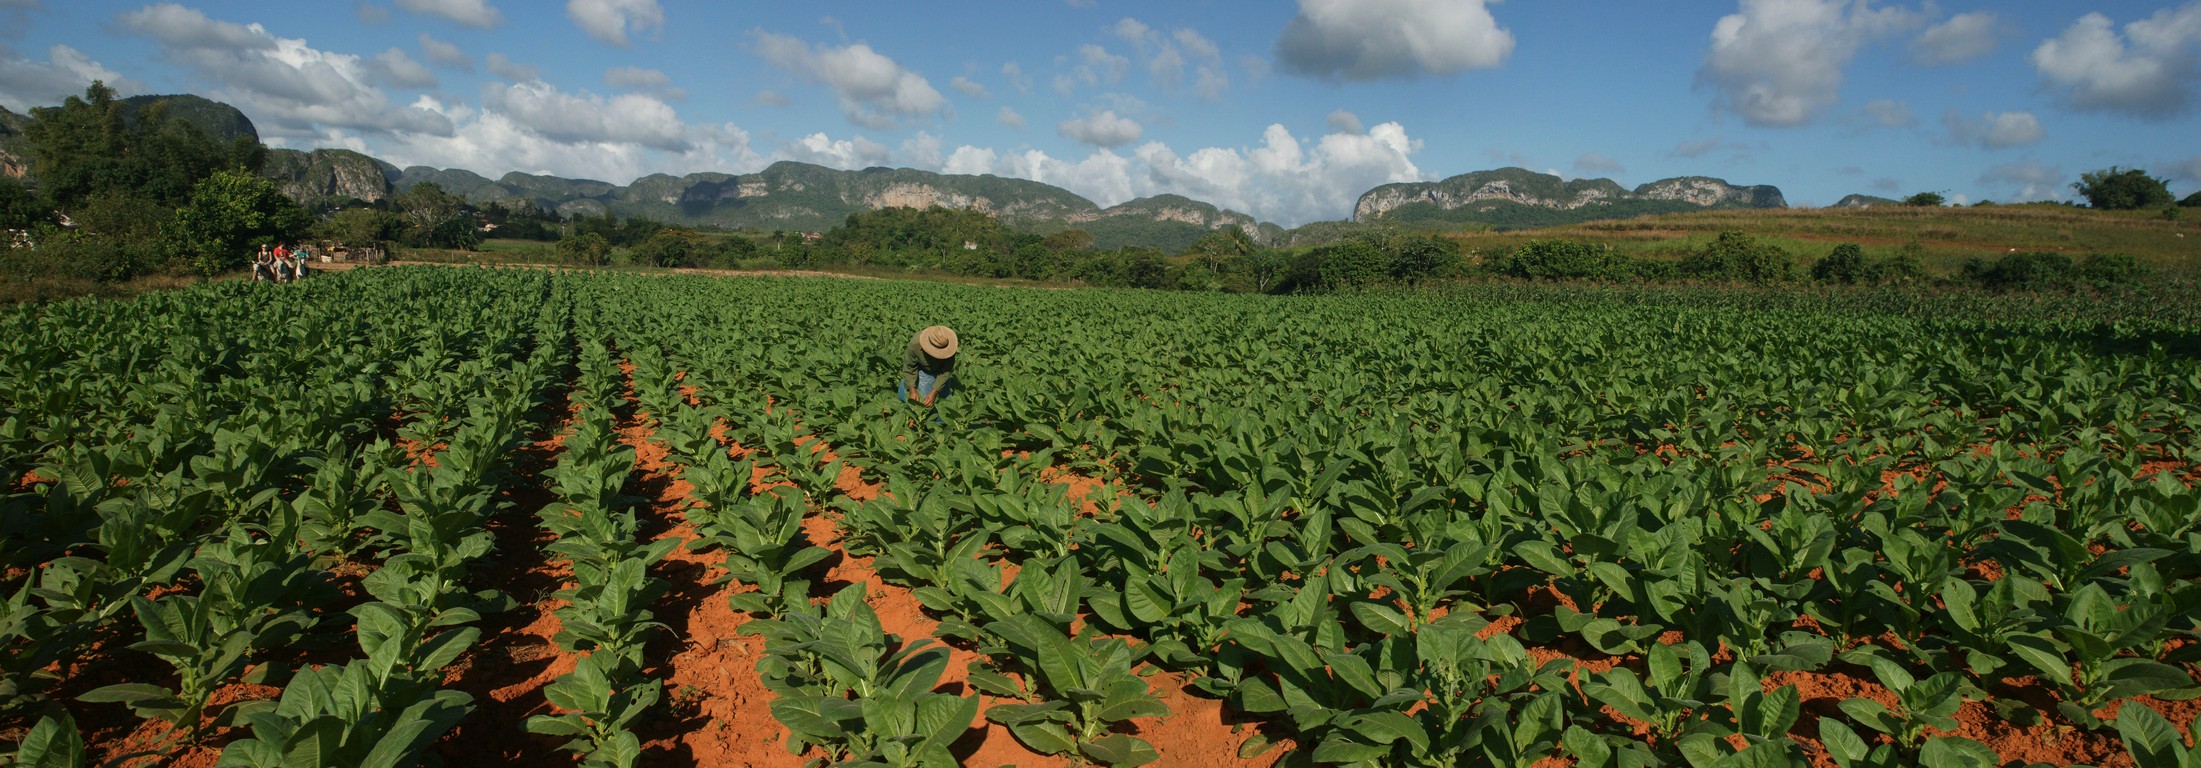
point(1736, 257)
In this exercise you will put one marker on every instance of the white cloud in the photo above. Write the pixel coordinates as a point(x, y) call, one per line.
point(1597, 164)
point(288, 87)
point(846, 154)
point(371, 13)
point(773, 99)
point(492, 143)
point(874, 90)
point(445, 54)
point(1285, 179)
point(26, 83)
point(1009, 117)
point(396, 69)
point(1779, 62)
point(922, 152)
point(1167, 56)
point(1103, 129)
point(1342, 121)
point(1993, 130)
point(636, 78)
point(472, 13)
point(1017, 79)
point(609, 21)
point(1096, 67)
point(586, 118)
point(503, 66)
point(1962, 38)
point(2149, 71)
point(969, 87)
point(1891, 113)
point(1373, 39)
point(2027, 182)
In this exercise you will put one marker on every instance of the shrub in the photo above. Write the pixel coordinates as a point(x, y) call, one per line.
point(2112, 270)
point(1846, 265)
point(1353, 265)
point(1736, 257)
point(1564, 260)
point(586, 249)
point(2023, 271)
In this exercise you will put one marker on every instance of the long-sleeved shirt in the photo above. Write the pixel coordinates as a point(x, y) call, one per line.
point(915, 360)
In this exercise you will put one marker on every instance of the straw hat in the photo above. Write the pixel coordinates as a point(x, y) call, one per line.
point(939, 342)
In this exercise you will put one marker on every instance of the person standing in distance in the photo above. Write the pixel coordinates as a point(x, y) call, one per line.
point(928, 368)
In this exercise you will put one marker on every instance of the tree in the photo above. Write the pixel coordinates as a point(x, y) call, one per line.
point(1069, 240)
point(434, 218)
point(2122, 189)
point(1417, 257)
point(1354, 264)
point(586, 249)
point(20, 208)
point(358, 227)
point(1926, 200)
point(94, 144)
point(231, 214)
point(671, 248)
point(2191, 201)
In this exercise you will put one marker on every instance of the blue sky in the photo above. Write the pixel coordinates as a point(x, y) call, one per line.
point(1287, 110)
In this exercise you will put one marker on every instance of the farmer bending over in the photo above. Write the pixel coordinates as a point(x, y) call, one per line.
point(928, 369)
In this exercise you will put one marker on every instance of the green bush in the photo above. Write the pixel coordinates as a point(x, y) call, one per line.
point(2112, 270)
point(1846, 265)
point(1353, 265)
point(1565, 260)
point(1736, 257)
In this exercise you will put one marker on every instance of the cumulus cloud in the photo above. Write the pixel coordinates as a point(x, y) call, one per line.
point(472, 13)
point(1284, 179)
point(1017, 79)
point(444, 54)
point(2027, 182)
point(609, 21)
point(1993, 130)
point(1342, 121)
point(846, 154)
point(1960, 38)
point(969, 87)
point(922, 152)
point(1102, 129)
point(287, 86)
point(2149, 71)
point(26, 83)
point(1375, 39)
point(396, 69)
point(1890, 113)
point(1168, 56)
point(1779, 62)
point(491, 143)
point(586, 118)
point(503, 66)
point(874, 91)
point(1597, 164)
point(1009, 117)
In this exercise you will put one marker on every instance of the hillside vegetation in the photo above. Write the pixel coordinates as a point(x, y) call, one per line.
point(1946, 237)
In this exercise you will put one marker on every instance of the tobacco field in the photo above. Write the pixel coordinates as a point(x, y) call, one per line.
point(418, 515)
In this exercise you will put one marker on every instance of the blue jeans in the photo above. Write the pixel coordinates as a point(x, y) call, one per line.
point(925, 384)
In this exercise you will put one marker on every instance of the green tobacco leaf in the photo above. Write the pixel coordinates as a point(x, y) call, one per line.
point(1381, 618)
point(1843, 744)
point(1957, 752)
point(1119, 749)
point(52, 743)
point(2152, 741)
point(1043, 737)
point(128, 693)
point(1339, 748)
